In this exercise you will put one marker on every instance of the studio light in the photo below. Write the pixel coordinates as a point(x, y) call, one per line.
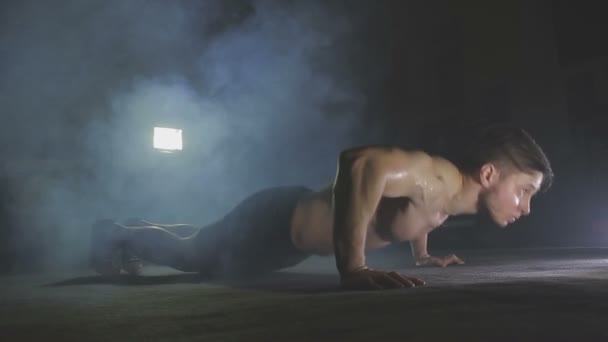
point(167, 139)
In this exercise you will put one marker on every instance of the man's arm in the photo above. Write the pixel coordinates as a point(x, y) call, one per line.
point(362, 180)
point(422, 257)
point(358, 188)
point(419, 247)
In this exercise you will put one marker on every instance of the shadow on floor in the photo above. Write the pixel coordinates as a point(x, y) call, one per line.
point(276, 282)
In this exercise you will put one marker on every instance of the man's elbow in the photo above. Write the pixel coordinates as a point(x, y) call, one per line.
point(348, 156)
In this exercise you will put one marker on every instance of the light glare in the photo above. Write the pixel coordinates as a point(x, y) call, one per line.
point(167, 139)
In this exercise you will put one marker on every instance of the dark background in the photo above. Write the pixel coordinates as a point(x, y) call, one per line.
point(268, 93)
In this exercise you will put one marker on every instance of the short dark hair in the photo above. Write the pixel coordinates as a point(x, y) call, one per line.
point(505, 143)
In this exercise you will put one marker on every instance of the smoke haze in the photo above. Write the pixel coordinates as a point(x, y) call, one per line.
point(262, 90)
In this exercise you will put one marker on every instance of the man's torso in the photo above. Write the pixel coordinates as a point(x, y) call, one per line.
point(395, 219)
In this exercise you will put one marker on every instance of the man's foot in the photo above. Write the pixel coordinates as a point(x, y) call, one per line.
point(106, 256)
point(131, 263)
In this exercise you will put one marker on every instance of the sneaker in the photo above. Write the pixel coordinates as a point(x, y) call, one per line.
point(131, 263)
point(106, 250)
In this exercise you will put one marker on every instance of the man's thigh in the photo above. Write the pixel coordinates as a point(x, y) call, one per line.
point(256, 236)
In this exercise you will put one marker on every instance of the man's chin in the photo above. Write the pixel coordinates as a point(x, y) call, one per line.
point(486, 216)
point(497, 221)
point(502, 224)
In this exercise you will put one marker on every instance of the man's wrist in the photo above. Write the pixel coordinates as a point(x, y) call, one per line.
point(351, 270)
point(350, 262)
point(422, 259)
point(422, 256)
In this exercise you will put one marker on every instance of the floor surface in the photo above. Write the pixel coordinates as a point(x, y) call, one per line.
point(508, 295)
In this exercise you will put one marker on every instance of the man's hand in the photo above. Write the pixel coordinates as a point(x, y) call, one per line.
point(438, 261)
point(368, 279)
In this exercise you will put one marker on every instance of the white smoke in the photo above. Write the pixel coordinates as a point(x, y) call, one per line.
point(258, 87)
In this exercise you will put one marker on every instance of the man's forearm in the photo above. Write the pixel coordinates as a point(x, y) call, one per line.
point(419, 247)
point(349, 246)
point(358, 188)
point(349, 234)
point(352, 214)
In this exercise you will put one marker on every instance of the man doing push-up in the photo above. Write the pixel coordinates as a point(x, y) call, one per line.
point(380, 195)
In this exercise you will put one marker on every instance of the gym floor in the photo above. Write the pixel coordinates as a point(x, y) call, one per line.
point(498, 295)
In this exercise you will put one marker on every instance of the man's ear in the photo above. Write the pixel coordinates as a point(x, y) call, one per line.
point(488, 175)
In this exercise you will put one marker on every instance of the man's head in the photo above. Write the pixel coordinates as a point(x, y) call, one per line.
point(510, 169)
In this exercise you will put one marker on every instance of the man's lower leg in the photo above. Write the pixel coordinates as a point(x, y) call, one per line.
point(181, 230)
point(152, 244)
point(161, 247)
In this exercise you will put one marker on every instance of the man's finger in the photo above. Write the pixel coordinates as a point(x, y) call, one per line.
point(417, 281)
point(439, 262)
point(391, 282)
point(414, 280)
point(361, 284)
point(371, 284)
point(455, 260)
point(407, 282)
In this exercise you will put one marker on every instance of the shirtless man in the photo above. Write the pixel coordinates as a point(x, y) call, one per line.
point(380, 195)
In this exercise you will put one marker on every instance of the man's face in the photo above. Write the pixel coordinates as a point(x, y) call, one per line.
point(506, 194)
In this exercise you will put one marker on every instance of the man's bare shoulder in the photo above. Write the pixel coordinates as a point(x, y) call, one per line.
point(446, 171)
point(387, 154)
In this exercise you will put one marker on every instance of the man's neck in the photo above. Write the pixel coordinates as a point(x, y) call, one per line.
point(465, 201)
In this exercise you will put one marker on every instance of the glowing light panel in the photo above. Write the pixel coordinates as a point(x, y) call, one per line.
point(167, 139)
